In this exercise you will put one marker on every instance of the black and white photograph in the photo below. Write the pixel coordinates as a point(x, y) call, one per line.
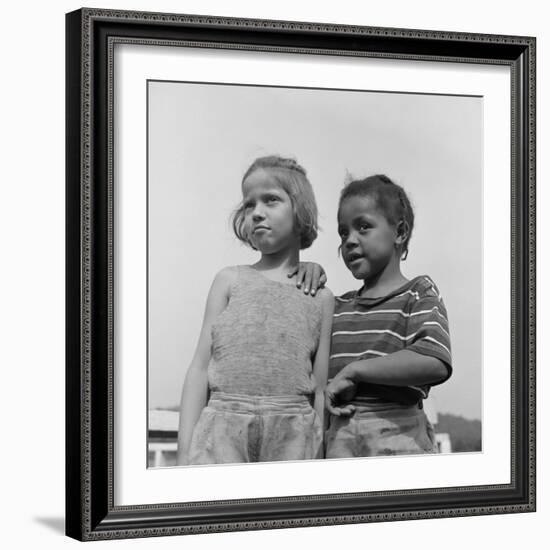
point(270, 274)
point(314, 273)
point(301, 267)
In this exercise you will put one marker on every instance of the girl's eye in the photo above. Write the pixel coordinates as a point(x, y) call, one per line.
point(364, 227)
point(272, 198)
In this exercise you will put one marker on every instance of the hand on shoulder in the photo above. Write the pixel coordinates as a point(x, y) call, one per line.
point(310, 277)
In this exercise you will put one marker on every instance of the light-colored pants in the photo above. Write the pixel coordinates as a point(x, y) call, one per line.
point(242, 428)
point(404, 430)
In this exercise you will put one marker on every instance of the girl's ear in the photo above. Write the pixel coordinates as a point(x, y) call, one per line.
point(402, 237)
point(402, 233)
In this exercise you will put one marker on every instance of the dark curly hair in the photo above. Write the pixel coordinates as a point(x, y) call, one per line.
point(390, 198)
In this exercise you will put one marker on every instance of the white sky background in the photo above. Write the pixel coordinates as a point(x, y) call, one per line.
point(202, 138)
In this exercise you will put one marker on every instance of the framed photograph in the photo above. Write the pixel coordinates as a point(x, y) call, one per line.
point(174, 122)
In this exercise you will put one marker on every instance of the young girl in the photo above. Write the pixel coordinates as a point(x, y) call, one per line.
point(254, 389)
point(390, 338)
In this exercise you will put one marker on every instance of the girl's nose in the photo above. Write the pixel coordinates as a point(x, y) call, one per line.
point(258, 213)
point(351, 241)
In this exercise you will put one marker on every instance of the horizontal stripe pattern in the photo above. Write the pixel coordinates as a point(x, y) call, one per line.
point(359, 354)
point(414, 317)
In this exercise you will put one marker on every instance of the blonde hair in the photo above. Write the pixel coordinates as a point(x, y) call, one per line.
point(293, 180)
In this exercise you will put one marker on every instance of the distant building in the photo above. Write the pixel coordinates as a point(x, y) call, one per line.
point(443, 442)
point(163, 438)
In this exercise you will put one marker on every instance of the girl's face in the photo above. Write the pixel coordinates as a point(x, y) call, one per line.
point(368, 239)
point(269, 214)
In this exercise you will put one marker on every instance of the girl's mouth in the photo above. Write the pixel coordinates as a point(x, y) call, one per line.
point(260, 228)
point(352, 258)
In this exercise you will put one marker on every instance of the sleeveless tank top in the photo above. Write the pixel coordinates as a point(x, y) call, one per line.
point(265, 340)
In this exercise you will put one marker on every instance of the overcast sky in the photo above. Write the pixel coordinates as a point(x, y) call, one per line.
point(203, 137)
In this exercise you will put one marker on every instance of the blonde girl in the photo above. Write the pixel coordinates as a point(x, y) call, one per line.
point(254, 389)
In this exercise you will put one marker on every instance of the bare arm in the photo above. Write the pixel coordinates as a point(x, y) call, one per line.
point(194, 395)
point(320, 365)
point(402, 368)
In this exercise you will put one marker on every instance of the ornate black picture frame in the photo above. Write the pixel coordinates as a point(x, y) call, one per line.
point(90, 509)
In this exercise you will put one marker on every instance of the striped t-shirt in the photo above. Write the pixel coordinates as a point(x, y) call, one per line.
point(413, 317)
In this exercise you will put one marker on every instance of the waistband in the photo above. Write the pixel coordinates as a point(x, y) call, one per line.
point(253, 404)
point(388, 412)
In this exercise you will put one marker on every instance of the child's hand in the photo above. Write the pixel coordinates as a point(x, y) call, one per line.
point(310, 276)
point(338, 391)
